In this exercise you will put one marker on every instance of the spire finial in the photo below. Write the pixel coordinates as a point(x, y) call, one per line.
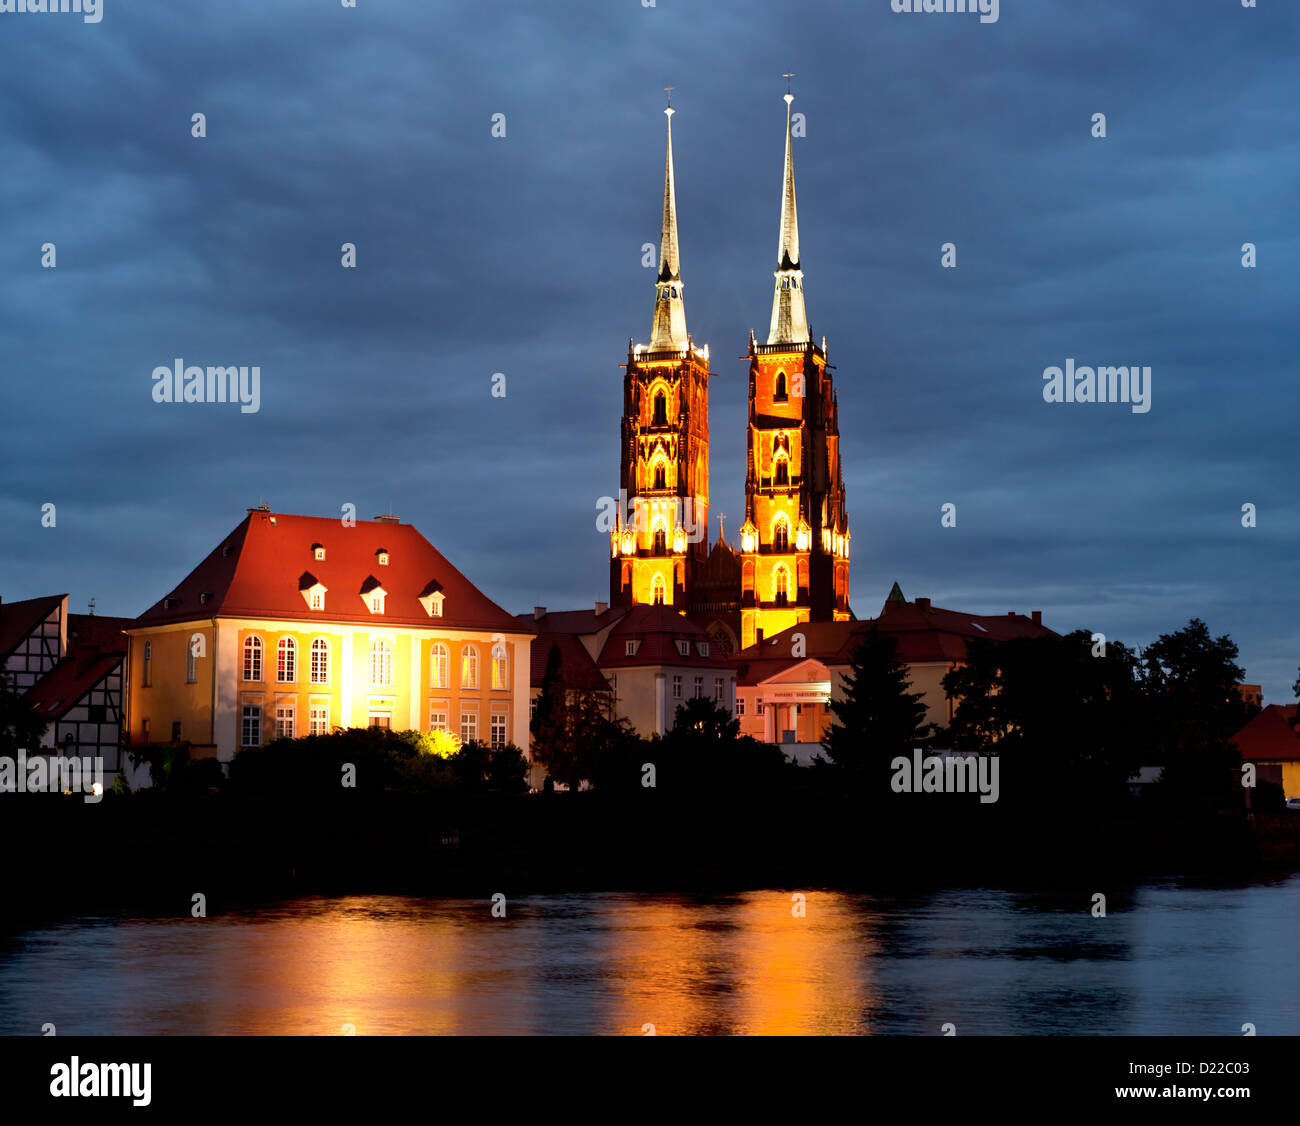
point(669, 328)
point(789, 317)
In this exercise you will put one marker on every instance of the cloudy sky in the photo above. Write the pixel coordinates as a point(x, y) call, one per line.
point(522, 255)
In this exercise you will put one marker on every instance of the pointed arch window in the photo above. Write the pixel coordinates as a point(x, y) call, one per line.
point(286, 660)
point(660, 538)
point(320, 662)
point(657, 590)
point(782, 476)
point(661, 476)
point(660, 409)
point(252, 658)
point(780, 395)
point(781, 535)
point(781, 586)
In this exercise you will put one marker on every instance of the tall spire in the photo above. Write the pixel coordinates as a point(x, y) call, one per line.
point(669, 331)
point(789, 318)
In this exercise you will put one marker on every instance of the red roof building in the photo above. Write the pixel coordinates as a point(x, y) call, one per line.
point(295, 625)
point(1271, 740)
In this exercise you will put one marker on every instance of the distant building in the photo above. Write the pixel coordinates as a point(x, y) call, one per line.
point(1252, 694)
point(71, 669)
point(297, 625)
point(647, 660)
point(1271, 740)
point(785, 698)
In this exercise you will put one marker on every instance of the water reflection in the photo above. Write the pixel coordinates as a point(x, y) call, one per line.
point(1168, 959)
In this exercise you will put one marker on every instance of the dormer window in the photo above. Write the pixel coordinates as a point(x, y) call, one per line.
point(431, 598)
point(629, 648)
point(382, 556)
point(373, 594)
point(684, 648)
point(318, 552)
point(703, 647)
point(312, 591)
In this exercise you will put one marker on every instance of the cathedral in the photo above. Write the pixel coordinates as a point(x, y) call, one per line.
point(792, 565)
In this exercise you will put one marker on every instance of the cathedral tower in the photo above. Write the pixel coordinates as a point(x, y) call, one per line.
point(795, 538)
point(662, 534)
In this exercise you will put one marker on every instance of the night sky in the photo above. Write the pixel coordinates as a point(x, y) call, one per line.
point(522, 255)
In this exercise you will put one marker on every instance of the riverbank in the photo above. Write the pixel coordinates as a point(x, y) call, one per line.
point(146, 851)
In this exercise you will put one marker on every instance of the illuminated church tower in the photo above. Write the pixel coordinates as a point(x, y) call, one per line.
point(662, 537)
point(795, 538)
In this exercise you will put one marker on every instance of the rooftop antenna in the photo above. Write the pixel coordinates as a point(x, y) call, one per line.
point(787, 78)
point(91, 607)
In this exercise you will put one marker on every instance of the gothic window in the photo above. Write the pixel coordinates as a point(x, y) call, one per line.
point(661, 409)
point(781, 535)
point(661, 540)
point(780, 396)
point(657, 590)
point(781, 586)
point(660, 477)
point(782, 471)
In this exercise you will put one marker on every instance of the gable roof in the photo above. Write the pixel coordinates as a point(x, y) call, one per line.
point(1269, 735)
point(657, 629)
point(923, 633)
point(576, 665)
point(257, 569)
point(96, 646)
point(19, 619)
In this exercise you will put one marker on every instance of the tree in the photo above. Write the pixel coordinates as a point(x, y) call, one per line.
point(1062, 715)
point(877, 718)
point(1189, 681)
point(21, 728)
point(572, 729)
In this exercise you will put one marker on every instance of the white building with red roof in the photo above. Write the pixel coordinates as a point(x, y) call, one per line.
point(295, 625)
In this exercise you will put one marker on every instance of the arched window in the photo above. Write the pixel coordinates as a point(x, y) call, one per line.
point(252, 658)
point(781, 535)
point(661, 409)
point(779, 395)
point(439, 666)
point(661, 538)
point(381, 664)
point(499, 670)
point(320, 661)
point(782, 471)
point(286, 660)
point(657, 590)
point(781, 586)
point(469, 667)
point(661, 481)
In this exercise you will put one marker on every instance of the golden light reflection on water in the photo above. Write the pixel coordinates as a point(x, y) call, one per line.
point(736, 965)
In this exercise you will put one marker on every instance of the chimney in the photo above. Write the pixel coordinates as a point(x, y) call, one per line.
point(758, 637)
point(601, 607)
point(539, 612)
point(1011, 613)
point(922, 603)
point(1037, 616)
